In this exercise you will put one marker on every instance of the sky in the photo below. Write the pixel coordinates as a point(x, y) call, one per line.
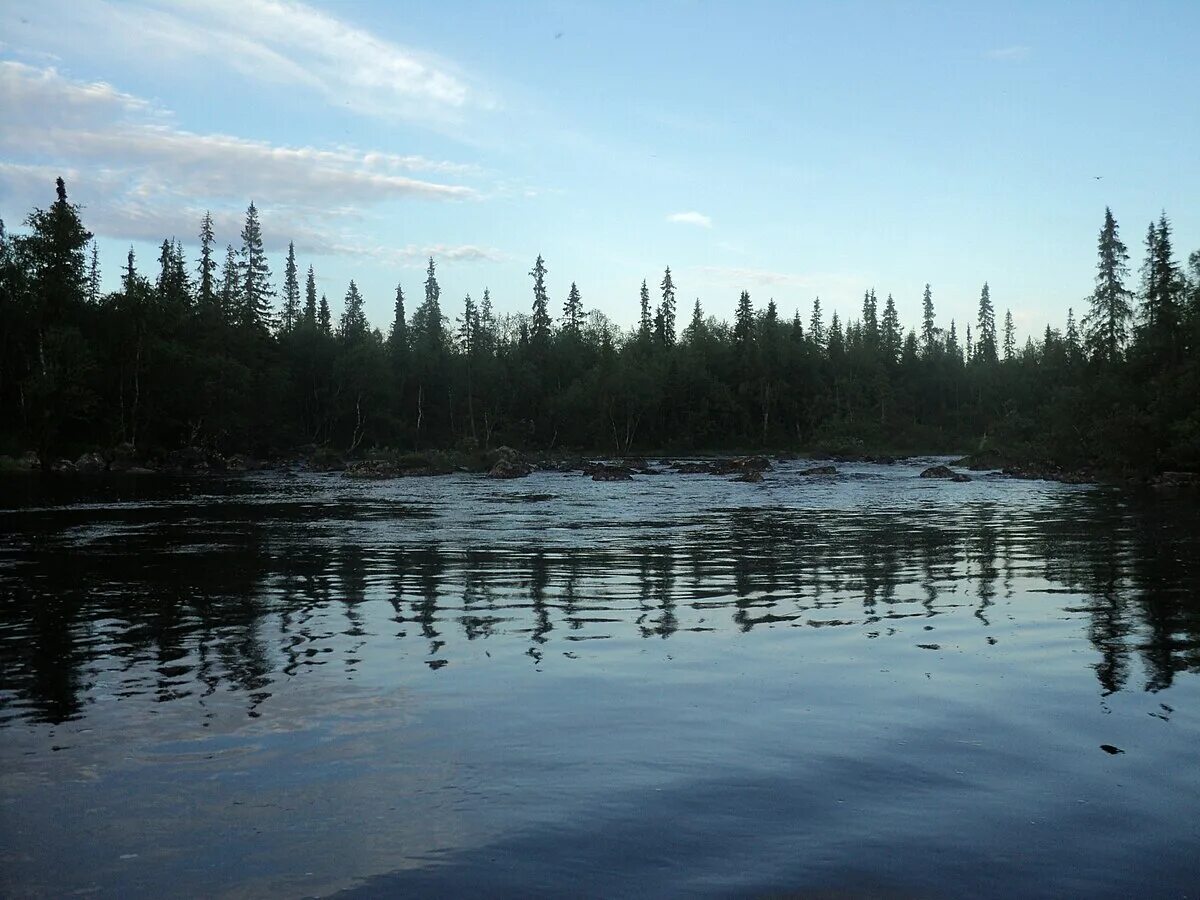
point(790, 149)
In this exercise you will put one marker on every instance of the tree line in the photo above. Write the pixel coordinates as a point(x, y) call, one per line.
point(210, 353)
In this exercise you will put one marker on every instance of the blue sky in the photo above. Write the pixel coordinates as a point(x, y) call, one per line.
point(789, 149)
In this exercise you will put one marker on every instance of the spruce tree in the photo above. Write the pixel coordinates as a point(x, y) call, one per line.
point(55, 250)
point(890, 335)
point(816, 329)
point(743, 326)
point(487, 324)
point(928, 327)
point(1074, 346)
point(398, 335)
point(291, 293)
point(230, 287)
point(644, 322)
point(952, 348)
point(310, 301)
point(870, 321)
point(695, 332)
point(468, 325)
point(835, 342)
point(1161, 285)
point(93, 279)
point(539, 321)
point(206, 294)
point(1106, 325)
point(324, 317)
point(255, 275)
point(666, 311)
point(970, 344)
point(985, 338)
point(1010, 338)
point(353, 327)
point(573, 312)
point(427, 327)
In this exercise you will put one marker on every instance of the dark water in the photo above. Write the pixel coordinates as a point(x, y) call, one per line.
point(864, 685)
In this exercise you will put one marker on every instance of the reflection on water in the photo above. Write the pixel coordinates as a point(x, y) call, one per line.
point(307, 602)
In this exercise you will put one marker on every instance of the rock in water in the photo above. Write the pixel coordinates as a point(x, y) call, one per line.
point(944, 472)
point(509, 467)
point(820, 470)
point(750, 476)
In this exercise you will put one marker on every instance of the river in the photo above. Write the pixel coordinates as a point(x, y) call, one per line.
point(297, 684)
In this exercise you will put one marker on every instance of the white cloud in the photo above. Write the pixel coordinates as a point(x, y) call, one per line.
point(144, 178)
point(279, 42)
point(1015, 52)
point(690, 218)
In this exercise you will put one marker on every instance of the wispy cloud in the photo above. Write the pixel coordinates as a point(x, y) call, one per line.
point(690, 218)
point(1015, 52)
point(281, 42)
point(735, 276)
point(147, 178)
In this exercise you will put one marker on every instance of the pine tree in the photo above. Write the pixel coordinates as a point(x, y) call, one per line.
point(539, 321)
point(324, 317)
point(816, 329)
point(256, 276)
point(928, 327)
point(206, 295)
point(291, 293)
point(310, 301)
point(985, 344)
point(1107, 324)
point(666, 311)
point(398, 335)
point(353, 327)
point(644, 322)
point(891, 335)
point(573, 312)
point(1010, 338)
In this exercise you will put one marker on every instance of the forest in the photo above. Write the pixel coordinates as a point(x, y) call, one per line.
point(214, 353)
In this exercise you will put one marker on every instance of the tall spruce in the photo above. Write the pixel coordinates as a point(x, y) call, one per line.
point(1010, 337)
point(743, 325)
point(206, 292)
point(353, 327)
point(230, 287)
point(816, 328)
point(428, 329)
point(398, 334)
point(870, 321)
point(290, 316)
point(645, 323)
point(310, 301)
point(985, 337)
point(928, 325)
point(666, 311)
point(539, 321)
point(255, 275)
point(890, 335)
point(573, 312)
point(1106, 326)
point(93, 278)
point(324, 317)
point(1161, 289)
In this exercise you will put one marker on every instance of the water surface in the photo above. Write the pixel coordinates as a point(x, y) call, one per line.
point(867, 684)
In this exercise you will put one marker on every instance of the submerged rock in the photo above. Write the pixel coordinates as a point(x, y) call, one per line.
point(725, 466)
point(944, 472)
point(751, 476)
point(607, 472)
point(820, 470)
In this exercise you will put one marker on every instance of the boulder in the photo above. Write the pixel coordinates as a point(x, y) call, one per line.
point(750, 476)
point(371, 468)
point(91, 463)
point(510, 468)
point(606, 472)
point(944, 472)
point(820, 470)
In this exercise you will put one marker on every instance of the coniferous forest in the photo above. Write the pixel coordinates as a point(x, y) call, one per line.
point(218, 352)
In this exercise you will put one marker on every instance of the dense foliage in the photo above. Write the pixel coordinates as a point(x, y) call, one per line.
point(203, 354)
